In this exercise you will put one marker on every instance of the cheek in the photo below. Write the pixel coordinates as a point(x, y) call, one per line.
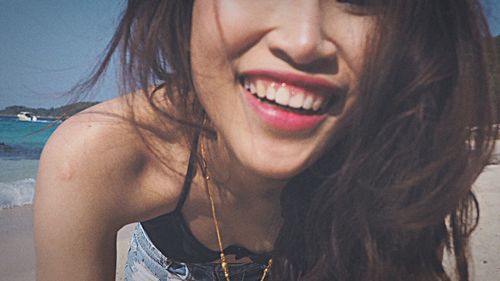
point(230, 27)
point(356, 43)
point(208, 60)
point(204, 34)
point(350, 34)
point(212, 72)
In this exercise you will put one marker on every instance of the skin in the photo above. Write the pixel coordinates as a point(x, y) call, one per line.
point(96, 175)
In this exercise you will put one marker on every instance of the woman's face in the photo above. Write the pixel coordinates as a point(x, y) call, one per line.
point(275, 76)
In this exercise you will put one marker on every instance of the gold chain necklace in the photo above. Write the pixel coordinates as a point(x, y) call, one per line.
point(224, 264)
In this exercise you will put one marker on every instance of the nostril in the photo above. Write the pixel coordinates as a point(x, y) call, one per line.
point(301, 39)
point(317, 65)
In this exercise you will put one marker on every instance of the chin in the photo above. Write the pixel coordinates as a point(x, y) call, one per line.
point(277, 168)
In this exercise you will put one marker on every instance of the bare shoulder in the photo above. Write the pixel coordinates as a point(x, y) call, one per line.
point(101, 160)
point(97, 174)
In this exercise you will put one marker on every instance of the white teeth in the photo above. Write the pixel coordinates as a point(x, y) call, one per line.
point(308, 102)
point(296, 101)
point(271, 93)
point(282, 96)
point(253, 90)
point(317, 104)
point(261, 89)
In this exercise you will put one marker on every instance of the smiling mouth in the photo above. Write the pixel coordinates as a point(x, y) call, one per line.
point(288, 97)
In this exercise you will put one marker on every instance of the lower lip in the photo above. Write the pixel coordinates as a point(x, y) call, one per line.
point(280, 119)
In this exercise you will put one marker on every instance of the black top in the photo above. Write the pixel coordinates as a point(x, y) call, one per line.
point(171, 235)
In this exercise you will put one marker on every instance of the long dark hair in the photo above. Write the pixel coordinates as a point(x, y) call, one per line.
point(394, 190)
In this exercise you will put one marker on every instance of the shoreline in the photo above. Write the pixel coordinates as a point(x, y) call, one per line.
point(52, 118)
point(60, 112)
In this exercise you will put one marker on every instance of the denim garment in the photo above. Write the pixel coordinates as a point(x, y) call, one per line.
point(146, 263)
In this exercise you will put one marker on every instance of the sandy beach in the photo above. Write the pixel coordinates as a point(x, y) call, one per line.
point(486, 240)
point(18, 258)
point(17, 253)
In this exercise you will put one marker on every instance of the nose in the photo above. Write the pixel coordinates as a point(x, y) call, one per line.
point(298, 34)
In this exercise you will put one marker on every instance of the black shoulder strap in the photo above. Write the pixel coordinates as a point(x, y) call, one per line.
point(189, 175)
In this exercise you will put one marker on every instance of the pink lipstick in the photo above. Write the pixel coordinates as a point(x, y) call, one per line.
point(286, 101)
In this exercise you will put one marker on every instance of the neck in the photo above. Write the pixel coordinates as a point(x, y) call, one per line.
point(237, 192)
point(235, 182)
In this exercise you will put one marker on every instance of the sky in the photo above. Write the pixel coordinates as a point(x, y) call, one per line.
point(46, 46)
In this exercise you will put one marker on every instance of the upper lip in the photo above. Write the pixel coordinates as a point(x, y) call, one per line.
point(313, 83)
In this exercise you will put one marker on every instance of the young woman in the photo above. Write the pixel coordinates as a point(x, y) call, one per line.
point(275, 139)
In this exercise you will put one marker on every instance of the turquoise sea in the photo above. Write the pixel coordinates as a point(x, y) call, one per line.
point(21, 143)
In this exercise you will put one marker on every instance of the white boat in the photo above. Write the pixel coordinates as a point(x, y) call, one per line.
point(26, 116)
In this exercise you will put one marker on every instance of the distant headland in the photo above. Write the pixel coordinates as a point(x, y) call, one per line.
point(61, 112)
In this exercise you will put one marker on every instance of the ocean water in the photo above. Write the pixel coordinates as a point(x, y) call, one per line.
point(21, 144)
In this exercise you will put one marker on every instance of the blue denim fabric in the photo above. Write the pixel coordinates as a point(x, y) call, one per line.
point(146, 263)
